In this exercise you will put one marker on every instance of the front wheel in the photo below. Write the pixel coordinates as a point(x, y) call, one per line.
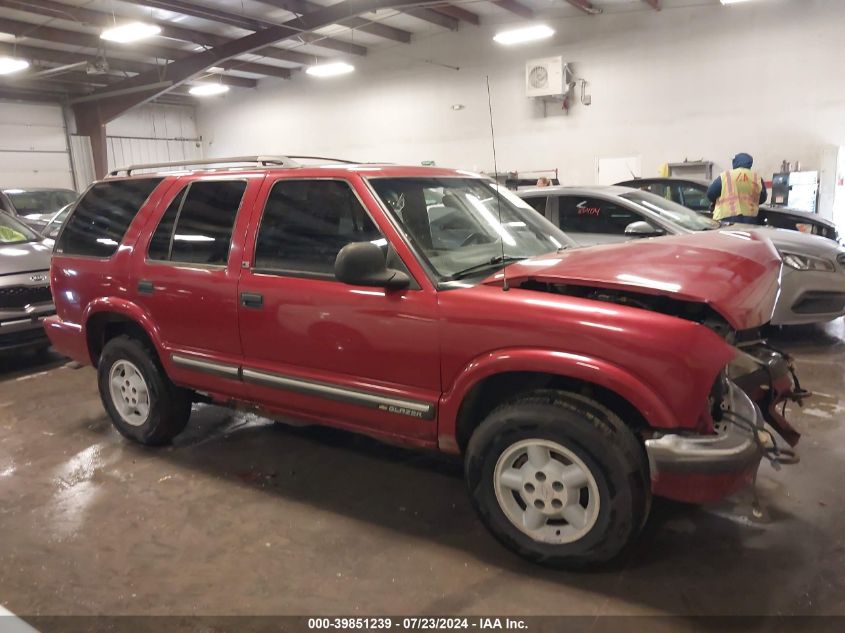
point(559, 479)
point(140, 399)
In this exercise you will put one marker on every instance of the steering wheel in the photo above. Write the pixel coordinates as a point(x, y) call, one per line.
point(474, 238)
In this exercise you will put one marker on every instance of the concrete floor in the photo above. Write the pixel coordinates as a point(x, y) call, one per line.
point(242, 516)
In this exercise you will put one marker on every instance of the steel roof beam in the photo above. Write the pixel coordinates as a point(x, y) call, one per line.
point(515, 7)
point(245, 22)
point(586, 6)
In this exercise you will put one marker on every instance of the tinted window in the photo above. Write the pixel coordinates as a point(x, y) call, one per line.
point(593, 215)
point(657, 189)
point(100, 220)
point(307, 222)
point(204, 216)
point(694, 198)
point(537, 203)
point(161, 242)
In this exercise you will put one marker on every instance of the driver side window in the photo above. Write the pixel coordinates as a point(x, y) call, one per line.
point(306, 223)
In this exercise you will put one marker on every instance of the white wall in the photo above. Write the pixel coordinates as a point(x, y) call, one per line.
point(147, 134)
point(702, 81)
point(153, 133)
point(33, 146)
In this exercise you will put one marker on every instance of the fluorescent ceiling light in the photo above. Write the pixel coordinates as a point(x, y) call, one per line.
point(208, 90)
point(330, 70)
point(130, 32)
point(526, 34)
point(9, 65)
point(732, 1)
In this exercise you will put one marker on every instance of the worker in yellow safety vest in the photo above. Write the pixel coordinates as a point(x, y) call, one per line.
point(738, 193)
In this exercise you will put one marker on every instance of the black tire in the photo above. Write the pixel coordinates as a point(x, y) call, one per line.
point(611, 452)
point(170, 406)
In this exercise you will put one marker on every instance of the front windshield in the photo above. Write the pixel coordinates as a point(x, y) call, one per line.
point(14, 232)
point(40, 201)
point(671, 211)
point(461, 226)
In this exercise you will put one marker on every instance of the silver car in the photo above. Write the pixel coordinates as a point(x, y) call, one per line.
point(35, 206)
point(25, 299)
point(812, 278)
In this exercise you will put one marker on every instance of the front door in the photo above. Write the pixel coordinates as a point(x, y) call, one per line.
point(188, 279)
point(358, 357)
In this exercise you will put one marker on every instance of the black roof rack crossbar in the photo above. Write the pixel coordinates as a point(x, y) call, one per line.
point(264, 161)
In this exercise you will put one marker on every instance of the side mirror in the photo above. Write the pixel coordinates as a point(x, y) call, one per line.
point(364, 264)
point(642, 229)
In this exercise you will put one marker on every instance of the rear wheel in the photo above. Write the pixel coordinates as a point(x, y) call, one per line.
point(142, 402)
point(559, 479)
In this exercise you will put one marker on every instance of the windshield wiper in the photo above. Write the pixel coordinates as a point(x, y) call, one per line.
point(494, 261)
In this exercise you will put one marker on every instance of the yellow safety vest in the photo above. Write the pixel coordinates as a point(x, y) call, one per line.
point(741, 189)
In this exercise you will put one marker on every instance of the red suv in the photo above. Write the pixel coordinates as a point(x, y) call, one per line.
point(429, 307)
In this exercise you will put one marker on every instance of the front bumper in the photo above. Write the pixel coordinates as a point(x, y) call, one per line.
point(810, 297)
point(706, 468)
point(24, 329)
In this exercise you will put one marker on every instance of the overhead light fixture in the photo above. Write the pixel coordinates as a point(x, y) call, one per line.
point(732, 1)
point(130, 32)
point(525, 34)
point(208, 89)
point(9, 65)
point(330, 70)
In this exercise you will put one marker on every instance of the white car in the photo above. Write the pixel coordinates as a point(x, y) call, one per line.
point(813, 274)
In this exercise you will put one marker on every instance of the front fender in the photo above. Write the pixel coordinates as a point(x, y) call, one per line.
point(548, 361)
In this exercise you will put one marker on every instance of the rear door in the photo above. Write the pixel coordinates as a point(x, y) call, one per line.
point(188, 275)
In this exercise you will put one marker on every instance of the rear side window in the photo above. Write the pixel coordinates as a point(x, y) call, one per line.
point(163, 236)
point(101, 218)
point(538, 204)
point(307, 222)
point(594, 215)
point(197, 226)
point(694, 198)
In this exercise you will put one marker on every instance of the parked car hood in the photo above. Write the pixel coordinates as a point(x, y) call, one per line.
point(797, 242)
point(25, 257)
point(810, 217)
point(736, 272)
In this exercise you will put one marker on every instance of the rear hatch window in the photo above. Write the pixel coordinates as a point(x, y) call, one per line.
point(101, 218)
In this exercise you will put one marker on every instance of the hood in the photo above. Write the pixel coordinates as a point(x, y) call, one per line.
point(797, 242)
point(26, 257)
point(743, 160)
point(735, 272)
point(798, 214)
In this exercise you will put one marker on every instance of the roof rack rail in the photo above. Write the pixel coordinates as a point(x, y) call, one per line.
point(264, 161)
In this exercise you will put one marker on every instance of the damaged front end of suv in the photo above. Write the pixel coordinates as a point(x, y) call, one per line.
point(743, 420)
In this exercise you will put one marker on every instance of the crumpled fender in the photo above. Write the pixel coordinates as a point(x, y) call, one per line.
point(586, 368)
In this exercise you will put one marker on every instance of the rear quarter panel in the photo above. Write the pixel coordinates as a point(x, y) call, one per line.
point(83, 286)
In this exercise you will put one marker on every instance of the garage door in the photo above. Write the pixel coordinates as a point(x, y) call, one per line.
point(33, 146)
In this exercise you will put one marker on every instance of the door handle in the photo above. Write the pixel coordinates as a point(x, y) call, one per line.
point(146, 287)
point(252, 300)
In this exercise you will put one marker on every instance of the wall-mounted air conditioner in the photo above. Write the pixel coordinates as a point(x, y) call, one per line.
point(546, 77)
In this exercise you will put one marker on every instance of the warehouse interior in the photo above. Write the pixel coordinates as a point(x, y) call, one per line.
point(347, 479)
